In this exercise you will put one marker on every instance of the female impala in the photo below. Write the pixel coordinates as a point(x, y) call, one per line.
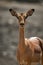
point(29, 50)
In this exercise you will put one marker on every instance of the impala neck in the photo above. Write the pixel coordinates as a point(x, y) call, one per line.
point(21, 36)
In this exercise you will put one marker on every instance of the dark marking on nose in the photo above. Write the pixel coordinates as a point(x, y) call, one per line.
point(22, 24)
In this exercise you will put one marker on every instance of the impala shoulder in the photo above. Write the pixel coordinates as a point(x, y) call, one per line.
point(26, 41)
point(32, 38)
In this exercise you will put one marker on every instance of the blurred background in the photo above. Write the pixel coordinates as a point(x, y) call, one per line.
point(9, 28)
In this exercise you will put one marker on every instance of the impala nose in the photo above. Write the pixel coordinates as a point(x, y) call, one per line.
point(22, 24)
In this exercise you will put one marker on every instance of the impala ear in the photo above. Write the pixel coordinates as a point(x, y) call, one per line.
point(29, 13)
point(14, 13)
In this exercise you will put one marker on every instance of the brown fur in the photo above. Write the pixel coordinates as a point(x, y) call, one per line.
point(29, 50)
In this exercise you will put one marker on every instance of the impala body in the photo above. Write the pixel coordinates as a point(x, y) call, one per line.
point(28, 50)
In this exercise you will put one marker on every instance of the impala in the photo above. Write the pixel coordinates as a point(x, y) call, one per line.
point(28, 50)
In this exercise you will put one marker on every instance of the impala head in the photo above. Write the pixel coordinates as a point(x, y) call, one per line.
point(21, 16)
